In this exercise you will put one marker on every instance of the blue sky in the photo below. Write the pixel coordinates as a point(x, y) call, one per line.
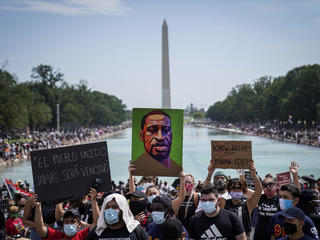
point(115, 45)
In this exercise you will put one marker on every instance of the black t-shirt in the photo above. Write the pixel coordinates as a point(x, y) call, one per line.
point(118, 234)
point(190, 212)
point(267, 208)
point(225, 226)
point(242, 211)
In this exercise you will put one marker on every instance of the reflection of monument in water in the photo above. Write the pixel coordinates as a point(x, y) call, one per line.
point(166, 98)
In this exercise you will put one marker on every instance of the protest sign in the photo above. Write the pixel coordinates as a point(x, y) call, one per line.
point(249, 180)
point(157, 141)
point(70, 172)
point(231, 154)
point(283, 179)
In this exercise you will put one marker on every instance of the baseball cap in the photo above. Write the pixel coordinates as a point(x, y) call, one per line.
point(72, 213)
point(309, 195)
point(220, 173)
point(163, 199)
point(309, 179)
point(293, 212)
point(13, 209)
point(137, 194)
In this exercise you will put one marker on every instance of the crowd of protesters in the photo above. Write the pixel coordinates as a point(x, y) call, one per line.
point(18, 146)
point(220, 207)
point(293, 133)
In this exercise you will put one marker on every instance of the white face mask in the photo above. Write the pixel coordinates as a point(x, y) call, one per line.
point(208, 206)
point(158, 217)
point(70, 229)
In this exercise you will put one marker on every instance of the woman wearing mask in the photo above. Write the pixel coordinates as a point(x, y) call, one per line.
point(116, 221)
point(190, 202)
point(238, 203)
point(268, 205)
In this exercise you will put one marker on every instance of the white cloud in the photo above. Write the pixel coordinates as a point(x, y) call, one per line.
point(316, 20)
point(67, 7)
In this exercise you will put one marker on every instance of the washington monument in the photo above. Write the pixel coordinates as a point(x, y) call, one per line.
point(166, 98)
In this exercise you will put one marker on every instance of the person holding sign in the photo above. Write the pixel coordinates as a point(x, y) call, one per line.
point(243, 208)
point(71, 222)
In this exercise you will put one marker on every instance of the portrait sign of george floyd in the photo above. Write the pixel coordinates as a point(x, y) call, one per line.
point(157, 141)
point(69, 172)
point(231, 154)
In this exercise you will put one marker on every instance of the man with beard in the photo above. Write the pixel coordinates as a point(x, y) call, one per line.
point(219, 181)
point(156, 135)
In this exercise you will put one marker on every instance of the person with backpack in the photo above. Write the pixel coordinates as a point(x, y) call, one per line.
point(238, 203)
point(190, 203)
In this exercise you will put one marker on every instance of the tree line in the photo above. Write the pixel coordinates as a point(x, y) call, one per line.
point(295, 95)
point(34, 103)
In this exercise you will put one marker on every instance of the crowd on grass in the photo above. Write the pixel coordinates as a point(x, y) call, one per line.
point(294, 133)
point(14, 147)
point(220, 207)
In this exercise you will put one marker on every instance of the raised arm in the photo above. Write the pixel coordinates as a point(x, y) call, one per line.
point(132, 187)
point(254, 200)
point(58, 212)
point(27, 212)
point(95, 208)
point(38, 220)
point(211, 169)
point(294, 168)
point(177, 202)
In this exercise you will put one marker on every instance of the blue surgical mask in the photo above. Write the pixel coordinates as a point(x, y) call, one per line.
point(208, 206)
point(158, 217)
point(70, 229)
point(236, 195)
point(111, 216)
point(150, 198)
point(285, 204)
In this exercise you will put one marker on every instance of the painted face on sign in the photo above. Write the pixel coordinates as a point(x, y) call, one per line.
point(157, 136)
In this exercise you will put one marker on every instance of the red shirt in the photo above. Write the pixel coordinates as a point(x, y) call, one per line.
point(58, 235)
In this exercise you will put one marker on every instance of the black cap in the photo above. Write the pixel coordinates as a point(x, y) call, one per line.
point(309, 179)
point(293, 212)
point(309, 195)
point(72, 213)
point(137, 194)
point(163, 199)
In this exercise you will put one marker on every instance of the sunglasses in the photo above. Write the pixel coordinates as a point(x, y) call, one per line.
point(270, 184)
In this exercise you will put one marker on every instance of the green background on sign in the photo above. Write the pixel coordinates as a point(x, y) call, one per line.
point(176, 116)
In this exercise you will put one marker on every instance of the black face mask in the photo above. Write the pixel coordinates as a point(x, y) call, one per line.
point(220, 184)
point(289, 228)
point(138, 206)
